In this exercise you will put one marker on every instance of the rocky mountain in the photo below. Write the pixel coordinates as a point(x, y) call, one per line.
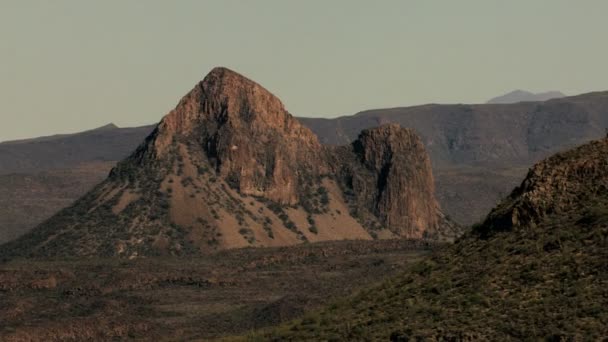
point(230, 167)
point(534, 269)
point(526, 96)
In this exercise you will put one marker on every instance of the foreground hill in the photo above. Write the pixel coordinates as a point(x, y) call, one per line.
point(230, 167)
point(535, 269)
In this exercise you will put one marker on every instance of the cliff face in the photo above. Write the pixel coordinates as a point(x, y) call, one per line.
point(230, 167)
point(247, 135)
point(390, 175)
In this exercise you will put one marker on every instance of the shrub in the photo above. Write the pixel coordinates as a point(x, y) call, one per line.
point(310, 220)
point(290, 225)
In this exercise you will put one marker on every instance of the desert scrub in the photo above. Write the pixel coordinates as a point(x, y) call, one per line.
point(247, 234)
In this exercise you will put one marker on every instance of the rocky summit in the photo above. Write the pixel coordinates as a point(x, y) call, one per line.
point(230, 167)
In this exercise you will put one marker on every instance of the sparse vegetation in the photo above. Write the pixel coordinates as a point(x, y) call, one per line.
point(119, 299)
point(458, 292)
point(247, 234)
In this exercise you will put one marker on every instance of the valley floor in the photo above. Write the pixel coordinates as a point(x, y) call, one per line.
point(225, 293)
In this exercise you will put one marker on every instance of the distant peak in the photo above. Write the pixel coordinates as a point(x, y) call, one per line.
point(110, 126)
point(520, 92)
point(519, 95)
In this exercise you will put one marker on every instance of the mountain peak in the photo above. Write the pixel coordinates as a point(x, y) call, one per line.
point(519, 95)
point(108, 127)
point(240, 127)
point(225, 97)
point(223, 81)
point(222, 73)
point(241, 96)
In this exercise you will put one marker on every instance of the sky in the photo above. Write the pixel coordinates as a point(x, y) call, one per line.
point(72, 65)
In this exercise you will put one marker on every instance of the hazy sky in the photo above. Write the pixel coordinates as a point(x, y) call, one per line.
point(67, 66)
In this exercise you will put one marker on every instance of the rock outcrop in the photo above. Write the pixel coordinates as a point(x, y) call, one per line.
point(567, 181)
point(389, 173)
point(230, 167)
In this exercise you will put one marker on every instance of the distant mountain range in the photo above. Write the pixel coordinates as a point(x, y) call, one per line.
point(106, 143)
point(526, 96)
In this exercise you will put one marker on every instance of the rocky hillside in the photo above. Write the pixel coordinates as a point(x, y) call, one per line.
point(230, 167)
point(535, 269)
point(568, 181)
